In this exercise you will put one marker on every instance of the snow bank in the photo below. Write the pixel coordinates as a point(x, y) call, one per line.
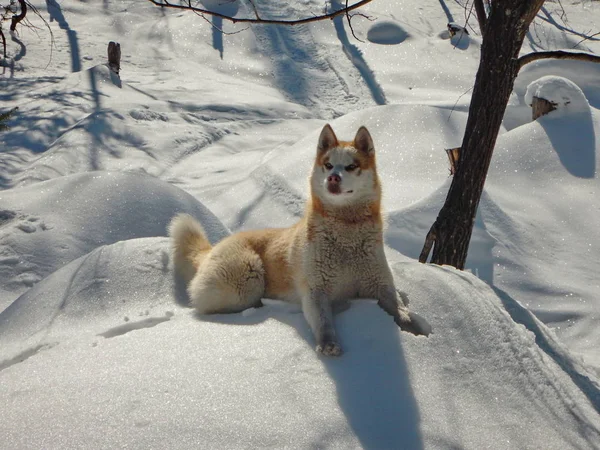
point(563, 93)
point(586, 75)
point(51, 223)
point(544, 177)
point(401, 151)
point(112, 290)
point(167, 379)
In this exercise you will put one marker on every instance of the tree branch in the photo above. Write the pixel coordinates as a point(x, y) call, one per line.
point(189, 7)
point(16, 19)
point(3, 42)
point(481, 17)
point(558, 54)
point(429, 241)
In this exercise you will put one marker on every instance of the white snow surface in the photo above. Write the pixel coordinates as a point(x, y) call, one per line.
point(97, 346)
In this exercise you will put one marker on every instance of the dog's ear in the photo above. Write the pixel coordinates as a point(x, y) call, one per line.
point(363, 141)
point(327, 139)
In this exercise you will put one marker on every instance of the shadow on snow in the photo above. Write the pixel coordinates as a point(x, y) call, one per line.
point(371, 378)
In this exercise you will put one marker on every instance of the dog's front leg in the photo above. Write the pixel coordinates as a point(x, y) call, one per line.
point(319, 315)
point(389, 300)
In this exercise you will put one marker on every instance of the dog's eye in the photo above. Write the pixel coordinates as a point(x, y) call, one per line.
point(328, 166)
point(351, 167)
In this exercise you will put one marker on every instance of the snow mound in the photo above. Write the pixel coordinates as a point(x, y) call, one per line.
point(282, 175)
point(544, 177)
point(585, 74)
point(386, 32)
point(110, 291)
point(51, 223)
point(563, 93)
point(138, 377)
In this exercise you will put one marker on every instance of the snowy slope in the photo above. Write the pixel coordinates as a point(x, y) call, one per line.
point(149, 371)
point(97, 346)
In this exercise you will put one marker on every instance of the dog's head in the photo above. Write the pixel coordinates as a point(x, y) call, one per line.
point(344, 172)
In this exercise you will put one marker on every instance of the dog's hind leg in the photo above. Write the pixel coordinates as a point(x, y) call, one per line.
point(230, 279)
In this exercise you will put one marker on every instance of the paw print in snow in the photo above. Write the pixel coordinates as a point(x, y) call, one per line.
point(31, 225)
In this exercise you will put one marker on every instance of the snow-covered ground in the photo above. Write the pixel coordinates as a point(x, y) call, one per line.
point(97, 349)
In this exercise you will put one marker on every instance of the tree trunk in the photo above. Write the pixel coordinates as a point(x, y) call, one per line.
point(505, 30)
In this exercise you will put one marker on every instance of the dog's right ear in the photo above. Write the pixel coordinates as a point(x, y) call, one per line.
point(327, 139)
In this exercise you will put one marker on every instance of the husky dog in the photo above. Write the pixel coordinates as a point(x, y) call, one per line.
point(334, 254)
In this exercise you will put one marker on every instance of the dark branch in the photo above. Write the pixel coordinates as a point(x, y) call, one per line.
point(255, 9)
point(189, 7)
point(17, 18)
point(481, 17)
point(559, 54)
point(429, 241)
point(3, 41)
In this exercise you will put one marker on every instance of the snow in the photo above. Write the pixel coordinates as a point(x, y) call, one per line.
point(562, 92)
point(97, 345)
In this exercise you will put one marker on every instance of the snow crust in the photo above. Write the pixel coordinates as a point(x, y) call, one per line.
point(97, 345)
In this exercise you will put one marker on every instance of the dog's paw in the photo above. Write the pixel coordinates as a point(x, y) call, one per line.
point(329, 349)
point(413, 323)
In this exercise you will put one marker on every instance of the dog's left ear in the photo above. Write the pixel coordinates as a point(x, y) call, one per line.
point(363, 142)
point(327, 139)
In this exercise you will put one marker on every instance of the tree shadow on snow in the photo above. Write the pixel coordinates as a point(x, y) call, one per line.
point(574, 141)
point(480, 259)
point(355, 56)
point(371, 377)
point(56, 14)
point(449, 15)
point(38, 128)
point(22, 48)
point(227, 8)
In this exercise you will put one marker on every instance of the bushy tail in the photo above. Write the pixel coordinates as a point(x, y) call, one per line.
point(189, 244)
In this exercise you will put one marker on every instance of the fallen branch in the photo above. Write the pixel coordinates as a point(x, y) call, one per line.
point(189, 7)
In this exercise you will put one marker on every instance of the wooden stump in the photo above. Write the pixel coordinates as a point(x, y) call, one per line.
point(541, 107)
point(114, 56)
point(454, 29)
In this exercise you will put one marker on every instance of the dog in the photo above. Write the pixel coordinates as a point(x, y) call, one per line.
point(333, 254)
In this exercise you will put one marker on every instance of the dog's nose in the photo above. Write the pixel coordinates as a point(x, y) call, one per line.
point(334, 178)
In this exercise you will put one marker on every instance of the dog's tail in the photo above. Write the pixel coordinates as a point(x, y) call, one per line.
point(189, 244)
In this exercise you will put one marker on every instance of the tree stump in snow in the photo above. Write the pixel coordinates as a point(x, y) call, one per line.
point(541, 107)
point(454, 29)
point(114, 56)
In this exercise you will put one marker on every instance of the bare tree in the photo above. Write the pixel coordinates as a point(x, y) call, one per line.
point(503, 32)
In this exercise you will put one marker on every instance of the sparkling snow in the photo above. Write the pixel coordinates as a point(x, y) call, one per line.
point(97, 346)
